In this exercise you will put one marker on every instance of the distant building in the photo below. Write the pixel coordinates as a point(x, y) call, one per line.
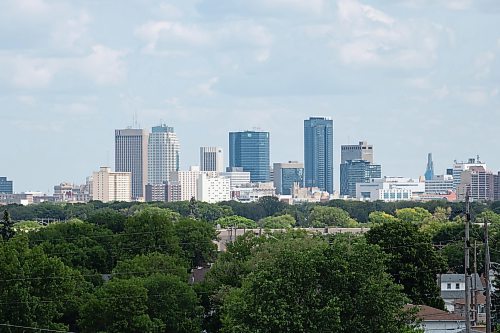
point(439, 184)
point(460, 167)
point(6, 186)
point(211, 159)
point(186, 183)
point(253, 191)
point(390, 189)
point(131, 151)
point(237, 176)
point(163, 154)
point(481, 183)
point(287, 174)
point(429, 172)
point(318, 153)
point(213, 188)
point(67, 192)
point(357, 171)
point(452, 288)
point(111, 186)
point(250, 151)
point(157, 192)
point(362, 151)
point(496, 186)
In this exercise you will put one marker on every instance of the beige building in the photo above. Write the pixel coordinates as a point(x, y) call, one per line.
point(110, 186)
point(213, 189)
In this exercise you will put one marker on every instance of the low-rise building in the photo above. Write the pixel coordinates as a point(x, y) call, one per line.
point(253, 191)
point(390, 189)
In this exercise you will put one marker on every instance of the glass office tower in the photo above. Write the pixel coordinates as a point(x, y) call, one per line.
point(250, 151)
point(318, 153)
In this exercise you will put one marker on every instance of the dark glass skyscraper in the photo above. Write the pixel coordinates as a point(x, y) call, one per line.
point(250, 151)
point(6, 185)
point(357, 171)
point(318, 153)
point(429, 171)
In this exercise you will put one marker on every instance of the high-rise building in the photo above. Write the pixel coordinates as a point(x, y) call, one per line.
point(429, 172)
point(439, 184)
point(237, 176)
point(287, 174)
point(213, 188)
point(6, 186)
point(250, 151)
point(353, 172)
point(362, 151)
point(481, 183)
point(131, 151)
point(460, 167)
point(318, 153)
point(211, 159)
point(163, 155)
point(108, 186)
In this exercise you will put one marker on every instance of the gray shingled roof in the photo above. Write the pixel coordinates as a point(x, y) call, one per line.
point(456, 278)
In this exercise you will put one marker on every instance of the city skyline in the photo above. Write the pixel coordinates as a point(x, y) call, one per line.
point(409, 76)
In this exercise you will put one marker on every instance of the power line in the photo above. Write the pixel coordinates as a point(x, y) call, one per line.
point(35, 328)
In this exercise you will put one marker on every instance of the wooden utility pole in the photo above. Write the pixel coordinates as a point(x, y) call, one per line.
point(467, 263)
point(473, 288)
point(487, 276)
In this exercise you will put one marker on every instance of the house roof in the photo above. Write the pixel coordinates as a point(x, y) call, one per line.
point(481, 299)
point(427, 313)
point(457, 278)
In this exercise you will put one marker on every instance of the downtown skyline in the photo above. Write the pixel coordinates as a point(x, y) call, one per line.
point(410, 77)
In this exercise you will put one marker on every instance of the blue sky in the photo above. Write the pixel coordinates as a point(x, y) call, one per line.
point(409, 76)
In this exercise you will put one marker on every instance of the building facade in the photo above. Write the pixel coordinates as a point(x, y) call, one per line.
point(250, 151)
point(131, 152)
point(163, 158)
point(429, 171)
point(357, 171)
point(211, 159)
point(108, 186)
point(237, 176)
point(6, 186)
point(318, 153)
point(390, 189)
point(481, 183)
point(361, 151)
point(286, 175)
point(439, 184)
point(213, 188)
point(460, 167)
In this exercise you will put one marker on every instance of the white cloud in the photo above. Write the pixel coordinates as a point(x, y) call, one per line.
point(104, 65)
point(206, 88)
point(67, 33)
point(482, 65)
point(33, 72)
point(353, 11)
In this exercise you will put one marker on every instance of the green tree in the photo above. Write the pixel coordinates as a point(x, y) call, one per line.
point(119, 306)
point(152, 263)
point(415, 215)
point(196, 240)
point(322, 216)
point(150, 229)
point(271, 205)
point(308, 285)
point(277, 222)
point(6, 227)
point(378, 217)
point(235, 221)
point(108, 218)
point(37, 290)
point(413, 262)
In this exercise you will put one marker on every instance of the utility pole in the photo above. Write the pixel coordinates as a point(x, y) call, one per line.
point(487, 276)
point(473, 288)
point(467, 263)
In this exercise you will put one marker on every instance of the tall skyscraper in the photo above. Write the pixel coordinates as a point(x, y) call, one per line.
point(163, 154)
point(131, 151)
point(6, 186)
point(211, 159)
point(353, 172)
point(287, 174)
point(429, 172)
point(250, 151)
point(318, 153)
point(362, 151)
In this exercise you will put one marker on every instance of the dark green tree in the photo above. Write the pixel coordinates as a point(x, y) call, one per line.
point(6, 227)
point(413, 261)
point(196, 241)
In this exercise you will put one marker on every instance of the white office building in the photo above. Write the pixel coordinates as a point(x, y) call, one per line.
point(211, 159)
point(237, 176)
point(460, 167)
point(439, 184)
point(163, 154)
point(390, 189)
point(108, 186)
point(213, 189)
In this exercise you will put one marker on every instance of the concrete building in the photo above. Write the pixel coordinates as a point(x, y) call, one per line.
point(357, 171)
point(67, 192)
point(481, 183)
point(237, 176)
point(361, 151)
point(213, 188)
point(460, 167)
point(163, 158)
point(253, 191)
point(439, 184)
point(111, 186)
point(6, 186)
point(157, 192)
point(131, 151)
point(390, 189)
point(187, 181)
point(496, 187)
point(211, 159)
point(318, 153)
point(286, 175)
point(250, 151)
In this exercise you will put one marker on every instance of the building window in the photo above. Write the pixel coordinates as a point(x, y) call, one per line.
point(457, 286)
point(448, 286)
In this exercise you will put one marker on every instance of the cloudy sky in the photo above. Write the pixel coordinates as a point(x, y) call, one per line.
point(409, 76)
